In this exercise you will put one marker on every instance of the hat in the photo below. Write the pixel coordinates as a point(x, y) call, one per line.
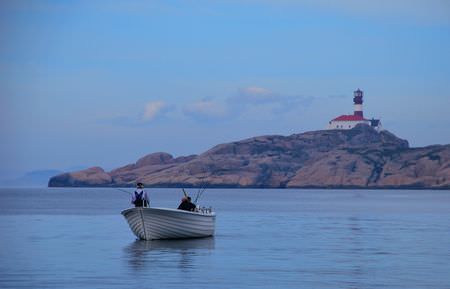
point(140, 185)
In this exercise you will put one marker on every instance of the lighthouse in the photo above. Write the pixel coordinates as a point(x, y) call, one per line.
point(349, 121)
point(358, 101)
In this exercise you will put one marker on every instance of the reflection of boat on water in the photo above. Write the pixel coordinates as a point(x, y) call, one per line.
point(143, 255)
point(179, 244)
point(163, 223)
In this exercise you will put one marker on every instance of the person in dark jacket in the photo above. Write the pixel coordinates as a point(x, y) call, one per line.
point(140, 197)
point(186, 204)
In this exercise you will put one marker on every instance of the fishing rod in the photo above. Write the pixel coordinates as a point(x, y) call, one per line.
point(200, 193)
point(123, 191)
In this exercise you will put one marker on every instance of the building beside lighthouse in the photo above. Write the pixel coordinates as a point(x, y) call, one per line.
point(351, 120)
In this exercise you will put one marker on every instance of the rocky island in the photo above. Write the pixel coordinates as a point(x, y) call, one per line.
point(356, 158)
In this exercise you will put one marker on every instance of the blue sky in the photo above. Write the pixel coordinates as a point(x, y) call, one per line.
point(86, 83)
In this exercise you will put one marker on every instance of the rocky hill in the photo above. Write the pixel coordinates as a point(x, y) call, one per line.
point(356, 158)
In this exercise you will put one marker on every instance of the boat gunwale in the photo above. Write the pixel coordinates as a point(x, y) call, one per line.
point(212, 214)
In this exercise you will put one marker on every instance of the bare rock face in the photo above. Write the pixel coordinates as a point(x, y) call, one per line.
point(92, 177)
point(150, 164)
point(155, 159)
point(419, 167)
point(356, 158)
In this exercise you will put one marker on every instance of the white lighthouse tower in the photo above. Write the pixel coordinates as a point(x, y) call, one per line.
point(350, 121)
point(358, 102)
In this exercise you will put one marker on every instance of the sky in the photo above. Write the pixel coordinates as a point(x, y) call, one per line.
point(103, 83)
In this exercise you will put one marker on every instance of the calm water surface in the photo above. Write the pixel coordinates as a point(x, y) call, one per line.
point(76, 238)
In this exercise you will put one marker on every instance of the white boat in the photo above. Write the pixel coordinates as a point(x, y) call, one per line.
point(164, 223)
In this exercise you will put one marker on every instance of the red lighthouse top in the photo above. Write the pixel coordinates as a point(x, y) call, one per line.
point(349, 118)
point(358, 96)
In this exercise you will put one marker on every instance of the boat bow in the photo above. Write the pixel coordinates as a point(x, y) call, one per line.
point(164, 223)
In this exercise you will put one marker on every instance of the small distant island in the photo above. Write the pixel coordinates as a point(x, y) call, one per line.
point(354, 152)
point(361, 157)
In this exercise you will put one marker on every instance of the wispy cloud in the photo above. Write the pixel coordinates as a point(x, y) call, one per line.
point(252, 97)
point(206, 109)
point(255, 94)
point(251, 102)
point(248, 102)
point(153, 109)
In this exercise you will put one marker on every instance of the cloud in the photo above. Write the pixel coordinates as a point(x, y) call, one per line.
point(153, 109)
point(251, 102)
point(255, 97)
point(256, 94)
point(206, 109)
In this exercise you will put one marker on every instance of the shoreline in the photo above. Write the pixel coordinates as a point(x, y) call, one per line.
point(416, 188)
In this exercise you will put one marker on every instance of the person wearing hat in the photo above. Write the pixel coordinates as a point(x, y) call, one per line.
point(140, 197)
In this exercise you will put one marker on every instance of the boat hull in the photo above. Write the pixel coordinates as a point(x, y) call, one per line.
point(162, 223)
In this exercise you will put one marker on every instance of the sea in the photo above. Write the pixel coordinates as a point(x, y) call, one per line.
point(265, 238)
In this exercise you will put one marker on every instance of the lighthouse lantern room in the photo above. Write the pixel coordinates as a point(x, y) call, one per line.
point(350, 121)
